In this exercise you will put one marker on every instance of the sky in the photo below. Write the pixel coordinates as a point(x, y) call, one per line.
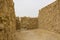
point(30, 8)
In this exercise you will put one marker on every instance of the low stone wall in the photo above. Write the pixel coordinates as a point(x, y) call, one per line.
point(26, 23)
point(29, 23)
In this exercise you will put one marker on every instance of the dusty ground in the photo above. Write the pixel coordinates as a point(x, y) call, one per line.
point(36, 34)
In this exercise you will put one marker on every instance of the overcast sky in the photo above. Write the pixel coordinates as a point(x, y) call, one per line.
point(30, 7)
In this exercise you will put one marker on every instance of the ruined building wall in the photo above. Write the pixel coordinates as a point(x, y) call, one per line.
point(49, 17)
point(7, 20)
point(29, 23)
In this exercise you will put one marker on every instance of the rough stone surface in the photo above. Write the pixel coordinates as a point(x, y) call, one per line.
point(18, 23)
point(49, 17)
point(29, 23)
point(7, 20)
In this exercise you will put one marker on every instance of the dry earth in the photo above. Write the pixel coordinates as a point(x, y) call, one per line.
point(36, 34)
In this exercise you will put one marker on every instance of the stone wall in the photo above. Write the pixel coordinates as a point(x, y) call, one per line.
point(7, 20)
point(29, 23)
point(18, 23)
point(49, 17)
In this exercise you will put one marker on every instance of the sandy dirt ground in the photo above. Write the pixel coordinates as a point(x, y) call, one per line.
point(36, 34)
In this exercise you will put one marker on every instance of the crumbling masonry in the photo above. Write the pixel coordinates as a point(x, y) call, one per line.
point(7, 20)
point(49, 17)
point(29, 23)
point(26, 23)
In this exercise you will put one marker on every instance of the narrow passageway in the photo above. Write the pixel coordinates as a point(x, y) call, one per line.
point(36, 34)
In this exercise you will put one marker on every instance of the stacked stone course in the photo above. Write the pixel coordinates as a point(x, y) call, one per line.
point(26, 23)
point(29, 23)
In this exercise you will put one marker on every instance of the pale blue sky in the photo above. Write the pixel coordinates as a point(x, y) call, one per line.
point(30, 7)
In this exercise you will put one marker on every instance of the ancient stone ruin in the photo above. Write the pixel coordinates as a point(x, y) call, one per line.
point(49, 17)
point(7, 20)
point(29, 23)
point(26, 23)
